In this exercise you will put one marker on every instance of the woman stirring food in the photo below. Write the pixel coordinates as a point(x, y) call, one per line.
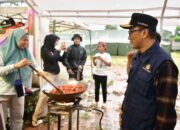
point(15, 75)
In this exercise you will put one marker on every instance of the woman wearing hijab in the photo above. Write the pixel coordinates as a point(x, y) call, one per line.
point(15, 75)
point(51, 57)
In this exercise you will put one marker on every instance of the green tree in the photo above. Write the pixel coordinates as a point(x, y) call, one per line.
point(111, 27)
point(176, 37)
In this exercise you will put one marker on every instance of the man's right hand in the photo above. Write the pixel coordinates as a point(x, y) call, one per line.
point(22, 63)
point(70, 71)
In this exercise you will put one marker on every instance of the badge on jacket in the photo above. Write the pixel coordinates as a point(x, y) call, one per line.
point(147, 68)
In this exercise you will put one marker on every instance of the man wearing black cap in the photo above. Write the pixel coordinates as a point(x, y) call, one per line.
point(149, 102)
point(75, 58)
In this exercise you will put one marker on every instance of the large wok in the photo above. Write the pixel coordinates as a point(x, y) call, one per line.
point(66, 97)
point(62, 97)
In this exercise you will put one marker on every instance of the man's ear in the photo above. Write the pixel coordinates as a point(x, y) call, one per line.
point(145, 33)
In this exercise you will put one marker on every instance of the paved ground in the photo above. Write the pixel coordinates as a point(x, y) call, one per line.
point(89, 120)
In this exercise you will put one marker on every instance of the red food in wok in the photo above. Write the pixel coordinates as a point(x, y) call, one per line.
point(68, 89)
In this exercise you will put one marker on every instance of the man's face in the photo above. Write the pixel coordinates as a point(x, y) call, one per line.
point(76, 40)
point(23, 42)
point(136, 37)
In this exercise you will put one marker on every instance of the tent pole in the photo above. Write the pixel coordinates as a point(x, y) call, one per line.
point(54, 26)
point(90, 39)
point(162, 16)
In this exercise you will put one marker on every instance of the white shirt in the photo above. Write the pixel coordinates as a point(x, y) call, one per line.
point(101, 68)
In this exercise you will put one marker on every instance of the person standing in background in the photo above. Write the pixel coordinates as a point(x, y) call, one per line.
point(101, 61)
point(75, 58)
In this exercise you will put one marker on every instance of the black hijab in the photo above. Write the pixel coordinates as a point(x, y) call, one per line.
point(50, 41)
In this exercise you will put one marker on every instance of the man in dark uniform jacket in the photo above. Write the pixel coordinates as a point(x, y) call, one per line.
point(149, 102)
point(75, 58)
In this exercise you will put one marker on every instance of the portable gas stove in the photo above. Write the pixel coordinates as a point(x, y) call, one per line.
point(67, 108)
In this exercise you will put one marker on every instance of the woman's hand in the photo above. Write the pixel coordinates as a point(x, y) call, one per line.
point(41, 73)
point(22, 63)
point(63, 46)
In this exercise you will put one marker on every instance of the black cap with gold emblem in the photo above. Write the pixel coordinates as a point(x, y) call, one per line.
point(139, 19)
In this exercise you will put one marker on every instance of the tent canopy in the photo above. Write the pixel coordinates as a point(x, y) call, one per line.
point(107, 11)
point(13, 8)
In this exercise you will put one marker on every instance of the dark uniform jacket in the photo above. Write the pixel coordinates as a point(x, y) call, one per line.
point(142, 106)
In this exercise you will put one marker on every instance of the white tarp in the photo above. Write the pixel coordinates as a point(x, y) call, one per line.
point(107, 11)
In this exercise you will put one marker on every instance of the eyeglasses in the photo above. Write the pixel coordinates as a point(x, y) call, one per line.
point(132, 31)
